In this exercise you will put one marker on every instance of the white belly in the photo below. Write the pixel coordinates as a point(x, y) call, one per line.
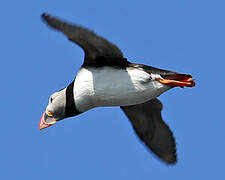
point(109, 86)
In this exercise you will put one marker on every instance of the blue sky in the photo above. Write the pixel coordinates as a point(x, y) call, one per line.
point(184, 36)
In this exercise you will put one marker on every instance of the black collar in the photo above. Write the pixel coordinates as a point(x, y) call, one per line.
point(71, 109)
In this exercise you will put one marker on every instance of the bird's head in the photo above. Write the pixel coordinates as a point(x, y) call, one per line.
point(61, 105)
point(55, 110)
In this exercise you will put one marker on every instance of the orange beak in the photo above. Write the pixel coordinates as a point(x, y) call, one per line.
point(43, 124)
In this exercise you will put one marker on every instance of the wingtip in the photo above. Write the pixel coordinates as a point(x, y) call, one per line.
point(52, 21)
point(171, 160)
point(44, 16)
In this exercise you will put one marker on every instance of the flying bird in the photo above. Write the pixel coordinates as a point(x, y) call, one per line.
point(107, 78)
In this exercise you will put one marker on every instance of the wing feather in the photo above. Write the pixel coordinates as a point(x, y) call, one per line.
point(148, 124)
point(94, 46)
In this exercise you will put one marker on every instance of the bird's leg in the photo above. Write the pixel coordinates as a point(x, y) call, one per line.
point(181, 80)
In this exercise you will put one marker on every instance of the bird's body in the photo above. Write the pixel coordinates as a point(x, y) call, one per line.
point(110, 86)
point(106, 78)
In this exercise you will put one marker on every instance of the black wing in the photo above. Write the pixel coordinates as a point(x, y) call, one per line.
point(149, 126)
point(95, 47)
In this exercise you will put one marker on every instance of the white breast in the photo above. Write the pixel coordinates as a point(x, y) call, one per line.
point(109, 86)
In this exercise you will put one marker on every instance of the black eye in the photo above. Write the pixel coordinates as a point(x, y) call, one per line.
point(51, 100)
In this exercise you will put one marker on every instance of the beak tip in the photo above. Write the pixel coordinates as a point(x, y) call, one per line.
point(41, 127)
point(42, 123)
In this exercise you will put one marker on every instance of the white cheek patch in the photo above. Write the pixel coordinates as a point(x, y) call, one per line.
point(57, 106)
point(49, 109)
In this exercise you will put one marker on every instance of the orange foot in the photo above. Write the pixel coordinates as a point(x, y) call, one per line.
point(181, 80)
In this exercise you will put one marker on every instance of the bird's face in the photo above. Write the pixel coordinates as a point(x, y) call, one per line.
point(55, 110)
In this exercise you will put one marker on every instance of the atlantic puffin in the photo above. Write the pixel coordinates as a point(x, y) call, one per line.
point(107, 78)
